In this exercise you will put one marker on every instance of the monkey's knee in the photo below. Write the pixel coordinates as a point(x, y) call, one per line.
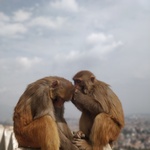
point(104, 129)
point(110, 127)
point(42, 132)
point(48, 135)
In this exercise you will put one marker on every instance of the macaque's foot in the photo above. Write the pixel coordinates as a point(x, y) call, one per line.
point(82, 144)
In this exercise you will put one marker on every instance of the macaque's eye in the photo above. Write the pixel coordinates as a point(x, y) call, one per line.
point(77, 81)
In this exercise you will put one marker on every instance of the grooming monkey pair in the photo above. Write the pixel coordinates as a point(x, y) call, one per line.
point(39, 121)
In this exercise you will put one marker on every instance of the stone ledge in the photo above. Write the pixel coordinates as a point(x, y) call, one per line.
point(9, 142)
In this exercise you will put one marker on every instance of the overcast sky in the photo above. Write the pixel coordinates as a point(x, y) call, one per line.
point(111, 38)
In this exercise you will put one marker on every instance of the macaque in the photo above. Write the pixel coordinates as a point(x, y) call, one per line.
point(102, 115)
point(38, 116)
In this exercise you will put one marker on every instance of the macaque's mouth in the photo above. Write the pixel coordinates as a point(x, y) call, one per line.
point(80, 88)
point(58, 102)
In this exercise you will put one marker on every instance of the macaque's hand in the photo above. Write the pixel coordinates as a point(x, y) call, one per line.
point(78, 135)
point(77, 95)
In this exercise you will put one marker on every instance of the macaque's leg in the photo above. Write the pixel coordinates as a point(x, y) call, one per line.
point(104, 131)
point(66, 143)
point(42, 132)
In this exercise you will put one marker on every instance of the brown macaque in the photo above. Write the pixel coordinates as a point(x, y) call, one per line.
point(102, 115)
point(38, 116)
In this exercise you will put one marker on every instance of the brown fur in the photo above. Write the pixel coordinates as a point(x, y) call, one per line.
point(38, 115)
point(102, 115)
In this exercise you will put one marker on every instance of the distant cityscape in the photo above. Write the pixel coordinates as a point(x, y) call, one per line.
point(134, 136)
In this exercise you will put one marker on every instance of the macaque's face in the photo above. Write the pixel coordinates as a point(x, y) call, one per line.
point(83, 81)
point(79, 84)
point(63, 93)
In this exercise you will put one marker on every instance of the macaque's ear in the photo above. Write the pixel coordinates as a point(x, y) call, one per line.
point(55, 84)
point(92, 79)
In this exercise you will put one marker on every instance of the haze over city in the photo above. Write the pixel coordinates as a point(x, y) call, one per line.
point(41, 38)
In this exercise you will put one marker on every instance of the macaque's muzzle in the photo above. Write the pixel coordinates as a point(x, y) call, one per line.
point(59, 102)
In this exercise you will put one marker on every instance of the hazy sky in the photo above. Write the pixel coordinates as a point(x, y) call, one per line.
point(111, 38)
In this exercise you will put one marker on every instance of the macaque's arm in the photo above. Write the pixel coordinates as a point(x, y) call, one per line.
point(86, 103)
